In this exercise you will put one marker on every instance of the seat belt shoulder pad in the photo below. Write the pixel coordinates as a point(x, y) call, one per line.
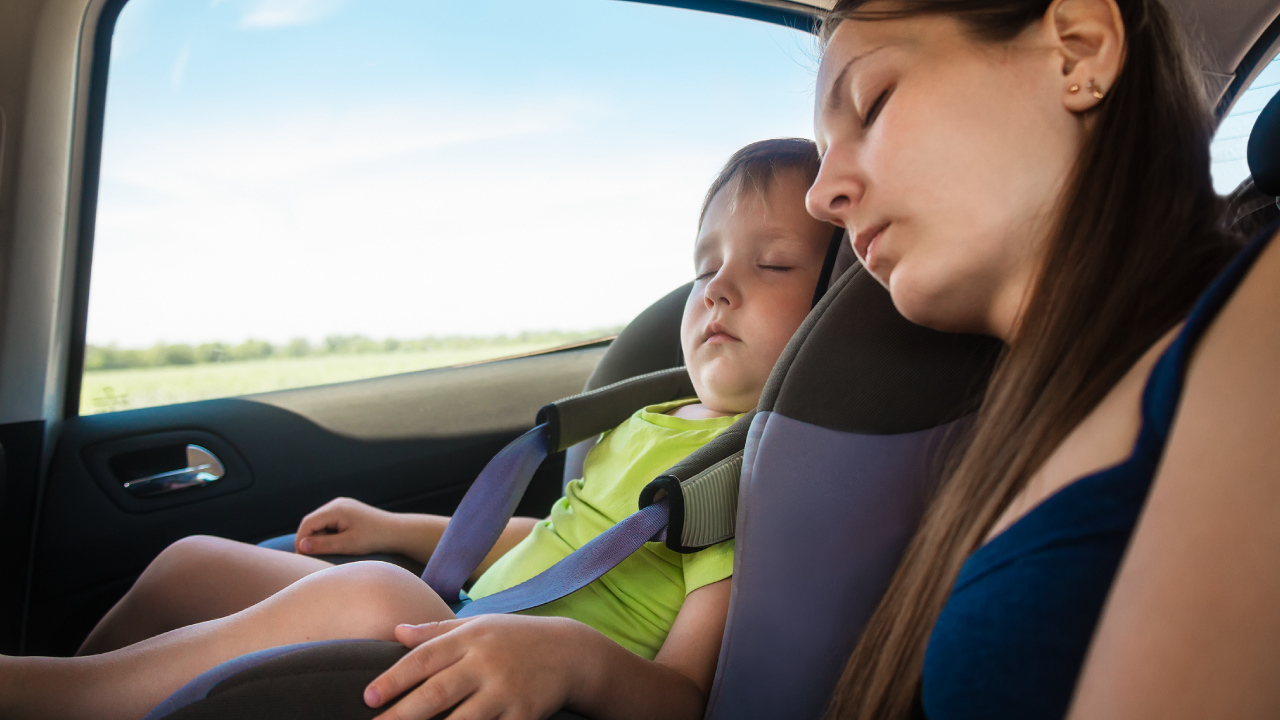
point(585, 415)
point(702, 491)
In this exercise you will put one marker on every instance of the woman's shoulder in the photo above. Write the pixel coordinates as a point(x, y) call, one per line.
point(1194, 602)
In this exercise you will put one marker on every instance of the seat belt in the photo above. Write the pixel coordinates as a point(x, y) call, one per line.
point(691, 507)
point(492, 498)
point(484, 511)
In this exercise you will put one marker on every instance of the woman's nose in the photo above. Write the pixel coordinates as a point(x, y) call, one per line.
point(835, 193)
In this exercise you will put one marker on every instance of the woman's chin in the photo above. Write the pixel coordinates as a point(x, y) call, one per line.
point(931, 307)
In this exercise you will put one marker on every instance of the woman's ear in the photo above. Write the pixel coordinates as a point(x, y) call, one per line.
point(1089, 36)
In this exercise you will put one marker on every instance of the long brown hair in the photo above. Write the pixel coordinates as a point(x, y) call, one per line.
point(1139, 236)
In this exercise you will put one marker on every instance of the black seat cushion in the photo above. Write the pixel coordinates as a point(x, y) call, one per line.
point(313, 684)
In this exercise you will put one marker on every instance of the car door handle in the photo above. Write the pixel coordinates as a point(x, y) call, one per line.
point(203, 467)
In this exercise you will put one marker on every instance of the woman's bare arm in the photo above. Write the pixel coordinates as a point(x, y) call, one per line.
point(1192, 626)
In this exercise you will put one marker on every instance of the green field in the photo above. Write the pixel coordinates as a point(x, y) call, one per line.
point(112, 390)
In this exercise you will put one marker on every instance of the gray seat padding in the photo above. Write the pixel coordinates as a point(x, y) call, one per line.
point(846, 444)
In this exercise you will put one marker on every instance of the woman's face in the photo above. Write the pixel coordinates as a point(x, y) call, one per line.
point(944, 156)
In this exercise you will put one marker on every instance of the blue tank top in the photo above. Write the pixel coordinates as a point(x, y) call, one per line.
point(1012, 637)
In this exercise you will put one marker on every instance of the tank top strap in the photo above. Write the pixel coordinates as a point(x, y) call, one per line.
point(1164, 386)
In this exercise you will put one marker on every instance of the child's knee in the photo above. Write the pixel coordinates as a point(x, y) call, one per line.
point(199, 549)
point(373, 597)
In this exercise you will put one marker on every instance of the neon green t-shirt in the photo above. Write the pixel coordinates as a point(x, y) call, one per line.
point(635, 603)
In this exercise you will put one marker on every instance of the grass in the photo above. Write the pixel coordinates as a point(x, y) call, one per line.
point(112, 390)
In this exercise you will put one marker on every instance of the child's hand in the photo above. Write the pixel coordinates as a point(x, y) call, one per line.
point(347, 527)
point(510, 666)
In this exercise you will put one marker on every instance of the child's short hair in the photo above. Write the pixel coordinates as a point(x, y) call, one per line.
point(756, 165)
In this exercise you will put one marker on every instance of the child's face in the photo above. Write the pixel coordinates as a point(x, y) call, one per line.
point(757, 265)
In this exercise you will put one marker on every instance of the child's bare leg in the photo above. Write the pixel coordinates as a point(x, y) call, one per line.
point(195, 579)
point(357, 600)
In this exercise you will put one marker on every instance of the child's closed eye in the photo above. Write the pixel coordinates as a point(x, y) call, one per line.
point(777, 268)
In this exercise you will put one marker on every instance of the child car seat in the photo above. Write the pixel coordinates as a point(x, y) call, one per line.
point(835, 469)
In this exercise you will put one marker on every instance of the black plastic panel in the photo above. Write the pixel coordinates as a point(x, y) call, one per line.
point(21, 445)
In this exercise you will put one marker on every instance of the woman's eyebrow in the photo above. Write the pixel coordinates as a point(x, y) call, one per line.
point(833, 97)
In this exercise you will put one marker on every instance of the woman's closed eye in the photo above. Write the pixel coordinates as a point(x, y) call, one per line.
point(874, 110)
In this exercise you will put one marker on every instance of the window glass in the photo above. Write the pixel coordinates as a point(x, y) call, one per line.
point(298, 192)
point(1228, 151)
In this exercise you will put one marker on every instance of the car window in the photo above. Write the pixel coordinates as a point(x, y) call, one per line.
point(1228, 151)
point(299, 192)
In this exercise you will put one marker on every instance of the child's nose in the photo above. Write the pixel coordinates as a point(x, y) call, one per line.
point(719, 290)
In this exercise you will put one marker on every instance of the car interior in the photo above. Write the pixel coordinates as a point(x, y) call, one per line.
point(858, 394)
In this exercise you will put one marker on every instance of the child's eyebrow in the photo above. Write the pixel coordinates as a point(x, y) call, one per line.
point(701, 248)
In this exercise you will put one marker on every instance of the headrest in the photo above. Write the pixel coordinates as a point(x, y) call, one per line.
point(892, 376)
point(1264, 148)
point(648, 343)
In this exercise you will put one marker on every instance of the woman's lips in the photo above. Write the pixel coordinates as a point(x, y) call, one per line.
point(864, 243)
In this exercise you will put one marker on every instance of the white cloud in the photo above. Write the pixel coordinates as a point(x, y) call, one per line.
point(286, 13)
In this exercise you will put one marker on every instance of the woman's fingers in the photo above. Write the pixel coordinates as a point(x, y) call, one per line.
point(415, 635)
point(441, 691)
point(421, 663)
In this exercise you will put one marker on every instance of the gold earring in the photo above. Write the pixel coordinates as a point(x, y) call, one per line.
point(1073, 89)
point(1093, 90)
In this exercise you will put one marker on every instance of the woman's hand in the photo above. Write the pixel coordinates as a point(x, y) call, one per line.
point(510, 666)
point(348, 527)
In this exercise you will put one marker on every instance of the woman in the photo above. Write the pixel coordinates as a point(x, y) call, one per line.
point(1038, 170)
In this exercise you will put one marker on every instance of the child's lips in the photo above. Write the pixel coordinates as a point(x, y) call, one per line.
point(717, 333)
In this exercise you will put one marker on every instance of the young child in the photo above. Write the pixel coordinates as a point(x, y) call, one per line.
point(640, 642)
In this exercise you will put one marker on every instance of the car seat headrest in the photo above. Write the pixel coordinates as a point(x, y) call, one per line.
point(828, 276)
point(648, 343)
point(1264, 148)
point(901, 378)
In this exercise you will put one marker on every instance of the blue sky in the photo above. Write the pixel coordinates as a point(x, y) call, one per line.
point(402, 168)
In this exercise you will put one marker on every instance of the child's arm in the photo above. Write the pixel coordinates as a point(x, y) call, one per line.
point(520, 666)
point(349, 527)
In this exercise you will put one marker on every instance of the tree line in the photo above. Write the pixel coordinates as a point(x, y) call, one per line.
point(110, 357)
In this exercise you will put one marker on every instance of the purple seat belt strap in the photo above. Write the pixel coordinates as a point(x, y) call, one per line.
point(580, 568)
point(483, 513)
